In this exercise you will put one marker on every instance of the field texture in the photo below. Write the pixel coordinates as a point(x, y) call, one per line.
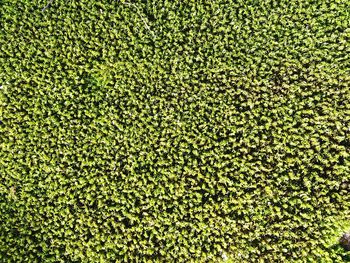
point(174, 131)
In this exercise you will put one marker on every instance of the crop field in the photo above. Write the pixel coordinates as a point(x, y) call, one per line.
point(174, 131)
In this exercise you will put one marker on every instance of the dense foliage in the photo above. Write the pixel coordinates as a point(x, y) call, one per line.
point(174, 130)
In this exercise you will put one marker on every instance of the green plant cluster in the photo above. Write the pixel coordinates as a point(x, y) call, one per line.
point(173, 131)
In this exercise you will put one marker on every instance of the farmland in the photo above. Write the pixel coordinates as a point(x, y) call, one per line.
point(173, 131)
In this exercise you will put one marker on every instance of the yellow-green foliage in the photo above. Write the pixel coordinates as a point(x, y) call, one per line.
point(174, 130)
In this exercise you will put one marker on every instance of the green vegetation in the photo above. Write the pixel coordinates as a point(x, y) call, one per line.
point(174, 131)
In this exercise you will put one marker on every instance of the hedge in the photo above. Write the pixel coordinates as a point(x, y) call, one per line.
point(174, 131)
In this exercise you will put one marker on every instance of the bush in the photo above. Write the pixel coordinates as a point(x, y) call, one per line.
point(173, 130)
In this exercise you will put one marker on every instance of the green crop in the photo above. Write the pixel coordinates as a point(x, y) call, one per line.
point(174, 131)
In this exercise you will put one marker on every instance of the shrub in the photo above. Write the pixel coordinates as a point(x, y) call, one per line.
point(173, 130)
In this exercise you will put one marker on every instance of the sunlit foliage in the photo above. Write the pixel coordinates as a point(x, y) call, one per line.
point(174, 131)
